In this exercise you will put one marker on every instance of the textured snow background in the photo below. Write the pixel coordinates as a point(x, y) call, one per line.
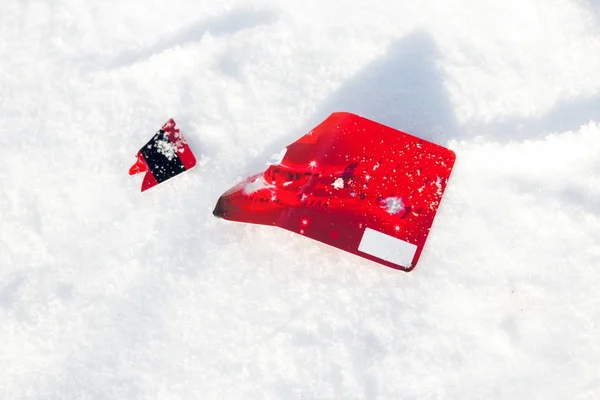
point(106, 293)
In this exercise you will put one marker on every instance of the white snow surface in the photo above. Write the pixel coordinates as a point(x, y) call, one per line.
point(108, 293)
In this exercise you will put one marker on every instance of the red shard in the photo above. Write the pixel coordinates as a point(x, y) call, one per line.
point(166, 155)
point(353, 184)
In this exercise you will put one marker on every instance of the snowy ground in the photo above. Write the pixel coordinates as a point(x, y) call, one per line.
point(106, 293)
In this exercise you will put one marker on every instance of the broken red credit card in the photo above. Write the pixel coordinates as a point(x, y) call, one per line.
point(351, 183)
point(165, 156)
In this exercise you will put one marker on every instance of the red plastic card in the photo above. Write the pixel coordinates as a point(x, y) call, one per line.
point(353, 184)
point(165, 156)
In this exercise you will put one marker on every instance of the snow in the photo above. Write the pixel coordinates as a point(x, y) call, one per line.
point(277, 158)
point(393, 205)
point(107, 293)
point(259, 183)
point(166, 148)
point(338, 183)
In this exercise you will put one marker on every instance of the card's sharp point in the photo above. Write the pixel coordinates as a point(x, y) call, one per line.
point(139, 166)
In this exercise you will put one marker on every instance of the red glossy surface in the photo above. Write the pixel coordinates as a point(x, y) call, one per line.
point(346, 175)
